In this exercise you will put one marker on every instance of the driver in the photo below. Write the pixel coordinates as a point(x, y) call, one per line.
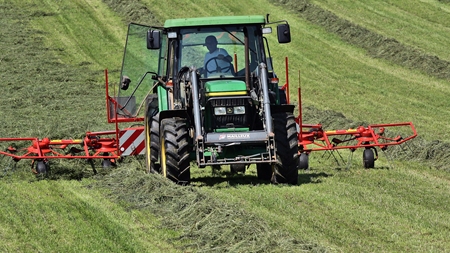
point(223, 59)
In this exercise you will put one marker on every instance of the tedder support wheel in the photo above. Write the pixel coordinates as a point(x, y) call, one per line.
point(175, 163)
point(42, 166)
point(303, 163)
point(285, 170)
point(152, 143)
point(368, 158)
point(264, 171)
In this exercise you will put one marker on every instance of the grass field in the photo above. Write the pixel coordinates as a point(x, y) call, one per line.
point(359, 62)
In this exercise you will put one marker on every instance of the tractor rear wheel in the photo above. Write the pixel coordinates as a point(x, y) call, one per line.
point(237, 168)
point(152, 134)
point(175, 149)
point(286, 135)
point(264, 171)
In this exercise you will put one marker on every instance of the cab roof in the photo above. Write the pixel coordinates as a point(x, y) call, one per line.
point(206, 21)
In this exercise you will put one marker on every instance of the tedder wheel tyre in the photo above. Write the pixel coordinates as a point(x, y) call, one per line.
point(152, 143)
point(264, 171)
point(286, 141)
point(175, 149)
point(303, 163)
point(368, 158)
point(41, 167)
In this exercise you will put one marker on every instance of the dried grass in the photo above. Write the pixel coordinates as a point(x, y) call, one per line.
point(207, 224)
point(377, 46)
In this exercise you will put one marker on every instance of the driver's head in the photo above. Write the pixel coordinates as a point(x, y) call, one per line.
point(211, 43)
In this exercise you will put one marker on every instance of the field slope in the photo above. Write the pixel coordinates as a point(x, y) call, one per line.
point(360, 62)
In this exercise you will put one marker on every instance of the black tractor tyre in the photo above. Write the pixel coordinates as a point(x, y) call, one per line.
point(303, 163)
point(237, 168)
point(151, 122)
point(368, 158)
point(175, 149)
point(264, 171)
point(286, 142)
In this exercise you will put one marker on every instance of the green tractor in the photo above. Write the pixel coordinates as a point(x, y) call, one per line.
point(210, 95)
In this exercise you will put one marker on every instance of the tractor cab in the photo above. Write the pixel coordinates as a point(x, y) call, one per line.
point(180, 45)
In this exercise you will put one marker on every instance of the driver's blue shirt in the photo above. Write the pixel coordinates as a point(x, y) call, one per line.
point(212, 64)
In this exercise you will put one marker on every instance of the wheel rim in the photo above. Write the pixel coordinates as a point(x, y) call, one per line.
point(147, 146)
point(163, 157)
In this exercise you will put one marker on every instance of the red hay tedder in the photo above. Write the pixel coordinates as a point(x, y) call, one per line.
point(312, 137)
point(118, 143)
point(107, 145)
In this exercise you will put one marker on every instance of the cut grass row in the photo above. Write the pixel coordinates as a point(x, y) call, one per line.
point(423, 25)
point(42, 94)
point(381, 210)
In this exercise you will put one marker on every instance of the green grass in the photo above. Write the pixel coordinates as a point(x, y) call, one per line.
point(344, 77)
point(52, 57)
point(65, 216)
point(83, 31)
point(380, 210)
point(423, 25)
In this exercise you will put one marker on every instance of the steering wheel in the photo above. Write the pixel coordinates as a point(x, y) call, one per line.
point(218, 68)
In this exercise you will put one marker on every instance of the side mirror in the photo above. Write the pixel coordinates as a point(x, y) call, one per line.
point(153, 39)
point(284, 33)
point(125, 83)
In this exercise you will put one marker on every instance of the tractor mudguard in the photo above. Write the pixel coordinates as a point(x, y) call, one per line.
point(173, 113)
point(282, 108)
point(152, 105)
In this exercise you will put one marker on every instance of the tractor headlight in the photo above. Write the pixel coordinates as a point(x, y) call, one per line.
point(220, 111)
point(229, 110)
point(239, 109)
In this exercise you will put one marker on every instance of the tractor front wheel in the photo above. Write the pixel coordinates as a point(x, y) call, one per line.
point(152, 143)
point(175, 149)
point(286, 142)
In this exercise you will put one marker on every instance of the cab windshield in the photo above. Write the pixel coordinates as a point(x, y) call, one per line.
point(226, 58)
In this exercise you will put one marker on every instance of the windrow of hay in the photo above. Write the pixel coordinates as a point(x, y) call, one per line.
point(40, 95)
point(434, 153)
point(133, 11)
point(377, 46)
point(206, 223)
